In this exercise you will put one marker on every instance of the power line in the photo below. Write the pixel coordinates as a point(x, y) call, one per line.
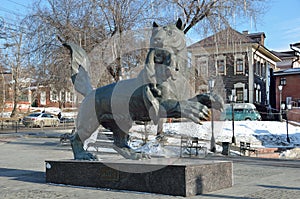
point(11, 12)
point(18, 3)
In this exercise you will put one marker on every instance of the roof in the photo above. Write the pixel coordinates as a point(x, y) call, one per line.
point(297, 45)
point(266, 52)
point(285, 54)
point(229, 37)
point(257, 34)
point(290, 71)
point(225, 37)
point(284, 63)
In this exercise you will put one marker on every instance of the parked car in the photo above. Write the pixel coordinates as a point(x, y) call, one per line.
point(66, 120)
point(40, 120)
point(242, 111)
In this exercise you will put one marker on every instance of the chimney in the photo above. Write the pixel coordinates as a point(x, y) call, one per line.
point(245, 32)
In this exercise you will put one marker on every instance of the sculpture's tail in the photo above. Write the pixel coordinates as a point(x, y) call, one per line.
point(80, 64)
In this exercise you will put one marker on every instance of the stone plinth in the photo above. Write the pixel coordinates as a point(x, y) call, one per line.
point(179, 177)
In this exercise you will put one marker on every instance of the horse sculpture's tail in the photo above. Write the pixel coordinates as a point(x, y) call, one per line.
point(80, 63)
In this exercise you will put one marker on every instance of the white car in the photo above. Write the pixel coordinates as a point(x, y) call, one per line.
point(40, 120)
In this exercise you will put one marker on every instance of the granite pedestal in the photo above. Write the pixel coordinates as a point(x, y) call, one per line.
point(179, 177)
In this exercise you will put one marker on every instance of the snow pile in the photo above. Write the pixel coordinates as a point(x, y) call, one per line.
point(291, 154)
point(151, 147)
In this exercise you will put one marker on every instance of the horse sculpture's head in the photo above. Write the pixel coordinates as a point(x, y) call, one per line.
point(170, 37)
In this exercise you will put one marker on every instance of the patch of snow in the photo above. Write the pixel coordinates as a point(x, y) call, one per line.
point(269, 134)
point(291, 154)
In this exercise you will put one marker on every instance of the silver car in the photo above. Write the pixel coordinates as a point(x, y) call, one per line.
point(40, 120)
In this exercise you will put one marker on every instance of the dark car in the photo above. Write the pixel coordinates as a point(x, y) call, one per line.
point(66, 120)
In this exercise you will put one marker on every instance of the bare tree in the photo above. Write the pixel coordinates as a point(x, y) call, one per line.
point(121, 16)
point(90, 22)
point(212, 15)
point(72, 21)
point(86, 23)
point(15, 59)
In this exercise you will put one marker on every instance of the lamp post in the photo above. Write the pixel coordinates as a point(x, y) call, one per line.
point(289, 107)
point(211, 83)
point(232, 100)
point(280, 99)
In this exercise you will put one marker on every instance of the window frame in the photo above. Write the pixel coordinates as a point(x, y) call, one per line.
point(236, 59)
point(202, 65)
point(218, 60)
point(54, 95)
point(239, 92)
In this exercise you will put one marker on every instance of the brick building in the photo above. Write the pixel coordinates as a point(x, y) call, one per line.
point(33, 96)
point(288, 76)
point(289, 79)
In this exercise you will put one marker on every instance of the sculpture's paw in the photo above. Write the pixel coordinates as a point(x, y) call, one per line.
point(84, 155)
point(217, 102)
point(210, 100)
point(131, 154)
point(195, 111)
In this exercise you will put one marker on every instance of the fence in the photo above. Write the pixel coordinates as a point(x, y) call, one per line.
point(15, 124)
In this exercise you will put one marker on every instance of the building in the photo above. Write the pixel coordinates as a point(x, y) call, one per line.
point(32, 96)
point(48, 96)
point(240, 59)
point(287, 76)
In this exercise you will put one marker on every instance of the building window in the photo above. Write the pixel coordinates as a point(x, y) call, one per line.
point(72, 97)
point(43, 98)
point(263, 70)
point(221, 67)
point(202, 66)
point(53, 95)
point(239, 66)
point(69, 97)
point(239, 95)
point(23, 97)
point(282, 81)
point(62, 96)
point(257, 68)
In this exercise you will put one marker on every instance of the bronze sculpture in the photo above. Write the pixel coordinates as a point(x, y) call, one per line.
point(151, 96)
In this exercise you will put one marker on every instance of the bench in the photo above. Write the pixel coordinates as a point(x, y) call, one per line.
point(247, 147)
point(190, 143)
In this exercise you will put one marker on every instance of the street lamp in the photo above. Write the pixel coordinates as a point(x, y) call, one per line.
point(211, 83)
point(289, 107)
point(280, 99)
point(232, 100)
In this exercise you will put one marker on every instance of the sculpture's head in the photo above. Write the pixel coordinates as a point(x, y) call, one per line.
point(169, 44)
point(170, 37)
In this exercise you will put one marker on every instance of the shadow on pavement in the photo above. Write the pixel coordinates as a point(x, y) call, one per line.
point(279, 187)
point(23, 175)
point(262, 161)
point(225, 196)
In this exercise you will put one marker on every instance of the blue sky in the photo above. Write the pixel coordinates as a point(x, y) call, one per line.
point(281, 23)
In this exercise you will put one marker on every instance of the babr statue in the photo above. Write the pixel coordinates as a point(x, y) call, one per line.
point(153, 95)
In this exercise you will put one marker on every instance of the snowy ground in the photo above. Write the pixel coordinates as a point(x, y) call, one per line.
point(261, 134)
point(268, 134)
